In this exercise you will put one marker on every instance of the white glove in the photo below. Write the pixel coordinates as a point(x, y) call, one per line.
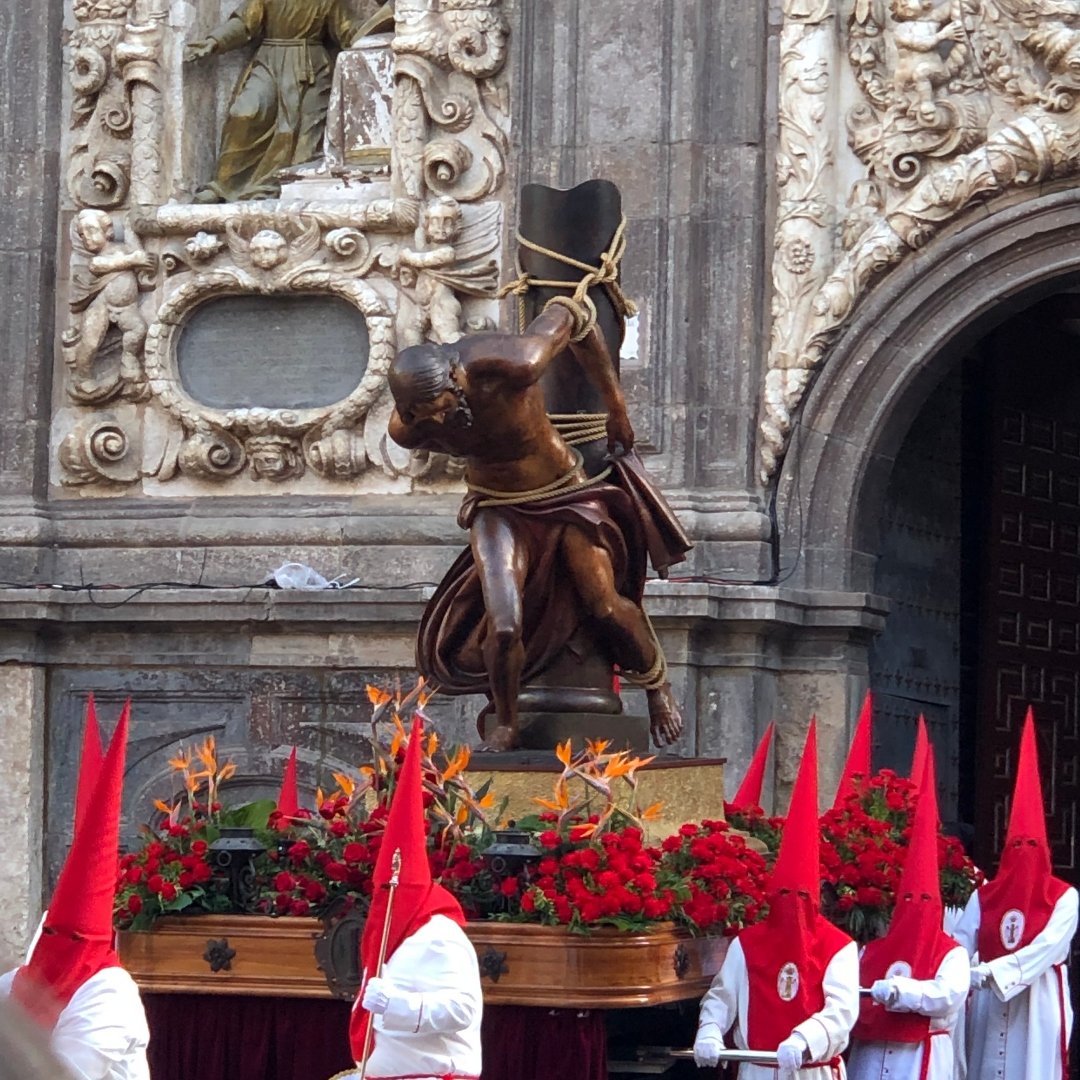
point(884, 992)
point(707, 1051)
point(791, 1053)
point(979, 975)
point(377, 994)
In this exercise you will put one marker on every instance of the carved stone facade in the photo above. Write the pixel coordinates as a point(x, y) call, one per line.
point(944, 106)
point(402, 218)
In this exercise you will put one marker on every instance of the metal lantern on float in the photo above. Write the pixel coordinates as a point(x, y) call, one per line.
point(232, 857)
point(512, 855)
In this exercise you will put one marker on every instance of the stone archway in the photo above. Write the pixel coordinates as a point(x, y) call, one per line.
point(894, 352)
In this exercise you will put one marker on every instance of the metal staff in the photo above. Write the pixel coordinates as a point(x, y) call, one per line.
point(395, 877)
point(747, 1057)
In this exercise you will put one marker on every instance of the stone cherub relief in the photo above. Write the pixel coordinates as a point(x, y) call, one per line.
point(277, 114)
point(107, 277)
point(959, 101)
point(455, 259)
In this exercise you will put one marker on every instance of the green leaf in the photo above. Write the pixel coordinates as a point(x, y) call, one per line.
point(252, 815)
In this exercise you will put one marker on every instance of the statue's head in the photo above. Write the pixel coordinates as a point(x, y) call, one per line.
point(268, 249)
point(94, 228)
point(423, 382)
point(442, 220)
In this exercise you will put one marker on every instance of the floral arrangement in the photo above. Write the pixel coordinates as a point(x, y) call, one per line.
point(592, 865)
point(171, 872)
point(863, 844)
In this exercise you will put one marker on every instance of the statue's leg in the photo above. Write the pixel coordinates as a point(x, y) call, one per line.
point(502, 564)
point(624, 629)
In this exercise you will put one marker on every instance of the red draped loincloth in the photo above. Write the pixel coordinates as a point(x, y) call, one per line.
point(629, 519)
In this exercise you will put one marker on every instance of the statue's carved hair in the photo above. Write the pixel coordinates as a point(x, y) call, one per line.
point(421, 373)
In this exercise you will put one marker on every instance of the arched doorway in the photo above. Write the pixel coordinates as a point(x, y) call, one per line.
point(943, 419)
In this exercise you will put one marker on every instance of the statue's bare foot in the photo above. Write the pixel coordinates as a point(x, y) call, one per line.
point(500, 738)
point(665, 720)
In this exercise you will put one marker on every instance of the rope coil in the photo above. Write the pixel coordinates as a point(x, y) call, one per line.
point(562, 485)
point(579, 303)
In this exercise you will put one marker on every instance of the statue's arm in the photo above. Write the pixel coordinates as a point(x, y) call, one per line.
point(594, 357)
point(519, 359)
point(432, 257)
point(244, 24)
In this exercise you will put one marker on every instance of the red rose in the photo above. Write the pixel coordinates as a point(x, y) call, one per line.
point(299, 907)
point(134, 875)
point(355, 853)
point(339, 828)
point(509, 886)
point(284, 882)
point(336, 871)
point(168, 891)
point(314, 891)
point(549, 839)
point(187, 879)
point(300, 851)
point(202, 872)
point(155, 883)
point(199, 847)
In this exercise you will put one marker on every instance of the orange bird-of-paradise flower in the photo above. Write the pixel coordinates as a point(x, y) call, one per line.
point(181, 763)
point(376, 695)
point(458, 763)
point(346, 783)
point(164, 807)
point(432, 744)
point(652, 812)
point(596, 747)
point(563, 753)
point(208, 753)
point(227, 771)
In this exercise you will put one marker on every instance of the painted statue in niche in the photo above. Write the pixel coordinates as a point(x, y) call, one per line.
point(277, 114)
point(106, 279)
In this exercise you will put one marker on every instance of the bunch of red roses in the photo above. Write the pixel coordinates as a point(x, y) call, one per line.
point(724, 877)
point(863, 848)
point(588, 879)
point(753, 821)
point(170, 873)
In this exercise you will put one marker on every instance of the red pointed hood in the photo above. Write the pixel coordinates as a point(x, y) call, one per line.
point(787, 953)
point(749, 793)
point(89, 764)
point(858, 759)
point(288, 801)
point(417, 898)
point(1018, 903)
point(797, 868)
point(77, 940)
point(922, 746)
point(915, 944)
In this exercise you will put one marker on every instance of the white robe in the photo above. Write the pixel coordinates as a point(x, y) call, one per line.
point(1014, 1021)
point(826, 1032)
point(940, 998)
point(101, 1034)
point(435, 1031)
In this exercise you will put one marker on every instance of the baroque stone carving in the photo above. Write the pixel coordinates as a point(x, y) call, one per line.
point(106, 279)
point(804, 165)
point(272, 444)
point(959, 102)
point(403, 220)
point(456, 259)
point(114, 71)
point(98, 450)
point(450, 117)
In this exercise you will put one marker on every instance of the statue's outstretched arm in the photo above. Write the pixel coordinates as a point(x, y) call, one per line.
point(519, 359)
point(594, 357)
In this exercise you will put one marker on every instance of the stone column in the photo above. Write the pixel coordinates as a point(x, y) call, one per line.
point(22, 765)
